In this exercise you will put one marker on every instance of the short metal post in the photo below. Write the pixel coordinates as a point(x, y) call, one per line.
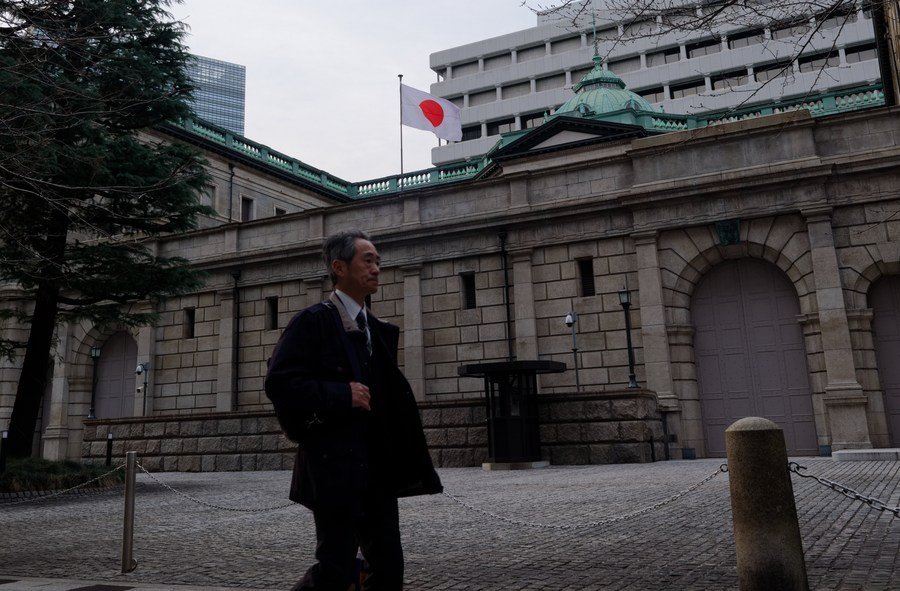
point(665, 425)
point(3, 439)
point(128, 563)
point(109, 442)
point(766, 531)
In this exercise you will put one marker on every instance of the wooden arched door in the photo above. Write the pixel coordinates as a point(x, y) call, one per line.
point(115, 377)
point(884, 299)
point(750, 355)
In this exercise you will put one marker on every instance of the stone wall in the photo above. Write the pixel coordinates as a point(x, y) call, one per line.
point(217, 442)
point(605, 428)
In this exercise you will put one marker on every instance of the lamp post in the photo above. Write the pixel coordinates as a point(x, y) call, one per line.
point(571, 320)
point(625, 300)
point(95, 358)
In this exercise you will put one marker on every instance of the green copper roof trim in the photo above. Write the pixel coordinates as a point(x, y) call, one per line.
point(599, 76)
point(601, 92)
point(830, 103)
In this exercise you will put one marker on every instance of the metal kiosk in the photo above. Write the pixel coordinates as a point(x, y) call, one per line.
point(510, 389)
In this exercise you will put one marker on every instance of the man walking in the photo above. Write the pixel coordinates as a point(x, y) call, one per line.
point(337, 391)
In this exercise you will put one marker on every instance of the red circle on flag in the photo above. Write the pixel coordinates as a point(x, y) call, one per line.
point(433, 111)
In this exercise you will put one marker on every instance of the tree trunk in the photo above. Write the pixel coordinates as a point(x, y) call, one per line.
point(33, 380)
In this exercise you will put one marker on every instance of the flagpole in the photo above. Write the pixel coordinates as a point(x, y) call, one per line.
point(400, 76)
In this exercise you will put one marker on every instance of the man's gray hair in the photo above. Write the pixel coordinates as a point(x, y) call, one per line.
point(341, 247)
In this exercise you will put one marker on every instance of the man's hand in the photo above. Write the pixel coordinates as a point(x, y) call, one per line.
point(359, 396)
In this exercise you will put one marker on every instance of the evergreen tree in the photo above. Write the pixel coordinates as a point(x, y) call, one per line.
point(80, 191)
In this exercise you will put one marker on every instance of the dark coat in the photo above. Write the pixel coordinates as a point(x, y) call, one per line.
point(342, 449)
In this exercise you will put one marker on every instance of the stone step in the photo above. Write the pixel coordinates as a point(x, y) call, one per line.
point(888, 454)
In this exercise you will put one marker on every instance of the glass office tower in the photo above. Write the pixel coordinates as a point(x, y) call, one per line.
point(219, 92)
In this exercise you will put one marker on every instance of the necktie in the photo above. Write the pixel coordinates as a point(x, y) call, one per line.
point(361, 323)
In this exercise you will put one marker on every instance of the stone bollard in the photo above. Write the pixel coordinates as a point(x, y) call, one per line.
point(766, 532)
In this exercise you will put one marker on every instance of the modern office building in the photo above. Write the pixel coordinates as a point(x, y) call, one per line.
point(510, 82)
point(219, 93)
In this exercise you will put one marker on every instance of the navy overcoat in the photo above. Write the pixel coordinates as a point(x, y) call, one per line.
point(308, 382)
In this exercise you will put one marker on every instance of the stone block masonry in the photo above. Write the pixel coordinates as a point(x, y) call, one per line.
point(215, 442)
point(594, 428)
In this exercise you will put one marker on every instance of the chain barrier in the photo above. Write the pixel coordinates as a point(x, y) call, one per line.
point(68, 490)
point(207, 503)
point(845, 490)
point(590, 524)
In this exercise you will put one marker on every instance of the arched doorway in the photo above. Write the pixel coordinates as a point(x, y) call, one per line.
point(115, 377)
point(750, 355)
point(884, 299)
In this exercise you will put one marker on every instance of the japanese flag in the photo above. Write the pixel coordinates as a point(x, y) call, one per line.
point(424, 111)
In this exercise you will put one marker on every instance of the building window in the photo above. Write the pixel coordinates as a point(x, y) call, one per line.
point(586, 276)
point(813, 63)
point(190, 322)
point(837, 17)
point(661, 58)
point(482, 98)
point(280, 211)
point(472, 132)
point(607, 34)
point(467, 287)
point(637, 29)
point(272, 313)
point(502, 126)
point(653, 95)
point(753, 37)
point(624, 66)
point(532, 121)
point(498, 61)
point(246, 209)
point(787, 30)
point(564, 45)
point(772, 71)
point(465, 69)
point(861, 53)
point(689, 88)
point(577, 75)
point(208, 196)
point(459, 101)
point(730, 80)
point(705, 47)
point(550, 82)
point(531, 53)
point(514, 90)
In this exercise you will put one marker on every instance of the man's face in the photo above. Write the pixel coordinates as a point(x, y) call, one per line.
point(359, 277)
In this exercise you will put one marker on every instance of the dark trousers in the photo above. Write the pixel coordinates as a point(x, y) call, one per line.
point(339, 532)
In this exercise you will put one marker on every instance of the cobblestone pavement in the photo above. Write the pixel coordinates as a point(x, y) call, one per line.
point(73, 541)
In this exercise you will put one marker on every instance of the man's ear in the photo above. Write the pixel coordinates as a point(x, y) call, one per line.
point(339, 268)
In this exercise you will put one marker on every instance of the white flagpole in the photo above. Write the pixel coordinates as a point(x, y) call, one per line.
point(400, 76)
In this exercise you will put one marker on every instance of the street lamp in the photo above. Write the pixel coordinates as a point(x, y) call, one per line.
point(571, 320)
point(625, 300)
point(95, 358)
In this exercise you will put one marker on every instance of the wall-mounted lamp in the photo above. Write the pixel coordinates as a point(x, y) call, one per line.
point(143, 369)
point(625, 300)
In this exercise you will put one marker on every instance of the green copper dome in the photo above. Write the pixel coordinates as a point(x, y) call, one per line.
point(601, 91)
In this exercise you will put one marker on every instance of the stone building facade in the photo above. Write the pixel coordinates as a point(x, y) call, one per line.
point(762, 258)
